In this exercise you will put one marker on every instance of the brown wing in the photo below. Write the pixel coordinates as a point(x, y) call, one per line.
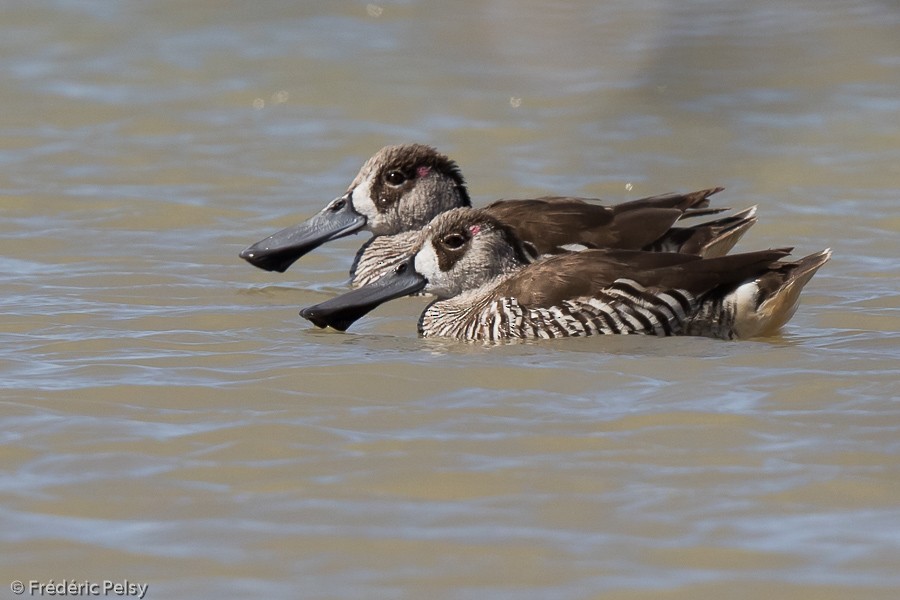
point(710, 273)
point(551, 222)
point(584, 274)
point(685, 202)
point(581, 274)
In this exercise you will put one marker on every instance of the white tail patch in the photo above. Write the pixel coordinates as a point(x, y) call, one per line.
point(748, 320)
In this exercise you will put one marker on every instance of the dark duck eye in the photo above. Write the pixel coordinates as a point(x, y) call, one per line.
point(395, 177)
point(454, 241)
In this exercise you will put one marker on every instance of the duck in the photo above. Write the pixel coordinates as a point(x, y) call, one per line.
point(400, 189)
point(486, 288)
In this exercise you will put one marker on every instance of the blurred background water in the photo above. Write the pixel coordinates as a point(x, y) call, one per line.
point(167, 418)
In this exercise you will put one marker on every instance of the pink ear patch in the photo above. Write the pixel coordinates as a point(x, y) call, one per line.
point(474, 229)
point(423, 171)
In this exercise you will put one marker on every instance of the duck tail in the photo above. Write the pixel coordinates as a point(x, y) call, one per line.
point(709, 239)
point(717, 238)
point(765, 304)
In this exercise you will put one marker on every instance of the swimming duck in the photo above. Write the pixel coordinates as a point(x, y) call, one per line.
point(402, 188)
point(488, 289)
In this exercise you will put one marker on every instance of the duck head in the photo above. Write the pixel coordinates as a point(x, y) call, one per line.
point(460, 250)
point(401, 188)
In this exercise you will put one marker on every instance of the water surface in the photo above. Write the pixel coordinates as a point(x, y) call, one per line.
point(167, 418)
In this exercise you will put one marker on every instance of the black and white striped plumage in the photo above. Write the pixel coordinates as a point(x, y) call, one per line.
point(625, 307)
point(487, 288)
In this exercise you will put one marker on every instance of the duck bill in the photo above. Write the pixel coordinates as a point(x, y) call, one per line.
point(280, 250)
point(341, 312)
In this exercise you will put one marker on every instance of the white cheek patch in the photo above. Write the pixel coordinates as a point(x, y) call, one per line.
point(363, 203)
point(427, 263)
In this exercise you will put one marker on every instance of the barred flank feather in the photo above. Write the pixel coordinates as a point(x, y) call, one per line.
point(625, 307)
point(714, 318)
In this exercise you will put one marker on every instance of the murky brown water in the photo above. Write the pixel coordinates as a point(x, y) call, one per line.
point(168, 419)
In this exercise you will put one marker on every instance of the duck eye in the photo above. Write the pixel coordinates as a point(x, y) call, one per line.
point(395, 177)
point(454, 241)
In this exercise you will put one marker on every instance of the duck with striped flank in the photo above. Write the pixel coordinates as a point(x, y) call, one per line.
point(402, 188)
point(488, 289)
